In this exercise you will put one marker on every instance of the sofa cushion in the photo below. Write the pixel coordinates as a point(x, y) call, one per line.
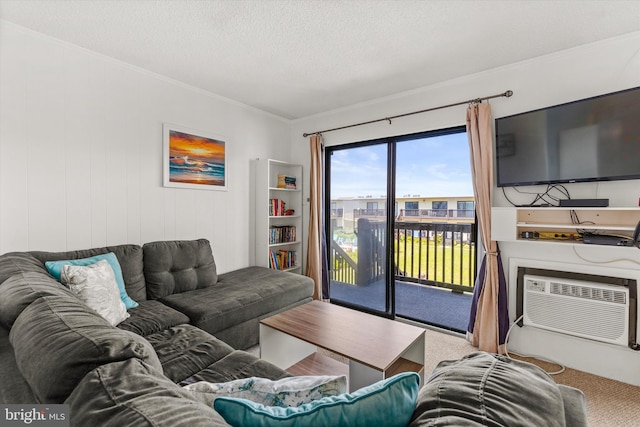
point(484, 389)
point(55, 269)
point(13, 263)
point(152, 316)
point(132, 393)
point(387, 403)
point(17, 292)
point(173, 267)
point(184, 350)
point(237, 365)
point(240, 295)
point(13, 387)
point(96, 286)
point(56, 343)
point(129, 258)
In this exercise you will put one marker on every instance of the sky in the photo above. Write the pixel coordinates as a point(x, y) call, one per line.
point(430, 167)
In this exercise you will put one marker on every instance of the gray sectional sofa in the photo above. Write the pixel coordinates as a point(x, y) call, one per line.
point(190, 324)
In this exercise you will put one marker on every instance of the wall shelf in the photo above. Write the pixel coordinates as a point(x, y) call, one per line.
point(561, 225)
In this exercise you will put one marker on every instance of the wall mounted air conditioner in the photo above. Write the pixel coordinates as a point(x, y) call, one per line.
point(585, 309)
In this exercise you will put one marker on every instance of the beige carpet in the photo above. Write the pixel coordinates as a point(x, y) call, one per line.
point(611, 403)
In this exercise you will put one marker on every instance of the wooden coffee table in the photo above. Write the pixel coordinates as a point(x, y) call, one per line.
point(376, 347)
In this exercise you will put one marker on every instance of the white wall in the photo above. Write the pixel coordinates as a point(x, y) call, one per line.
point(569, 75)
point(81, 153)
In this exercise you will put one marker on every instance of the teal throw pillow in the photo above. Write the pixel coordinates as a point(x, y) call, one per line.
point(388, 403)
point(55, 269)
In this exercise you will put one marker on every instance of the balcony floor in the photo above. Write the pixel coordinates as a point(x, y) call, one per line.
point(422, 303)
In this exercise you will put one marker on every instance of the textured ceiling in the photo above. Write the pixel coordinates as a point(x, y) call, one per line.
point(299, 58)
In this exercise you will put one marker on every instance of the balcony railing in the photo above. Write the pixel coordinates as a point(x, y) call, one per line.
point(438, 213)
point(364, 213)
point(436, 254)
point(414, 213)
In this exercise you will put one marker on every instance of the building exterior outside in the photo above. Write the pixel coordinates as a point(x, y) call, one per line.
point(345, 212)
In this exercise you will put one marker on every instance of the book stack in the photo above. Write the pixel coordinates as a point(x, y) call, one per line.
point(282, 259)
point(276, 207)
point(282, 234)
point(285, 181)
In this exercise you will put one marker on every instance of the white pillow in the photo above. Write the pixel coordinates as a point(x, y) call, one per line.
point(96, 286)
point(286, 392)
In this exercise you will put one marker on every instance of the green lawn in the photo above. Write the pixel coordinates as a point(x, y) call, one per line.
point(411, 258)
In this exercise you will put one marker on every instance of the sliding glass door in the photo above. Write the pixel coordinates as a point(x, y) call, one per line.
point(357, 187)
point(434, 248)
point(401, 227)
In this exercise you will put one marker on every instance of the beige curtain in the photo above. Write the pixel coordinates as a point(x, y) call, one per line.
point(487, 322)
point(314, 249)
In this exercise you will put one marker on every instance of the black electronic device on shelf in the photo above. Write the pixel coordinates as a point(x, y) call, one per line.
point(613, 240)
point(636, 236)
point(606, 239)
point(584, 203)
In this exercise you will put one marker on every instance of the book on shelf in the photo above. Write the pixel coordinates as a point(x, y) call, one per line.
point(276, 207)
point(282, 234)
point(285, 181)
point(283, 259)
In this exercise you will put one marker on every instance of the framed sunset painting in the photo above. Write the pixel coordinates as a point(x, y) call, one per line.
point(194, 159)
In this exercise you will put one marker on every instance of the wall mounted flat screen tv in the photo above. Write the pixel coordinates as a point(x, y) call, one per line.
point(594, 139)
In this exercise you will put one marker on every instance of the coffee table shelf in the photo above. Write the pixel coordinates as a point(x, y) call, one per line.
point(319, 364)
point(375, 347)
point(404, 365)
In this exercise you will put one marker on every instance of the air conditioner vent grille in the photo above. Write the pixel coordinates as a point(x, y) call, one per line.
point(587, 292)
point(590, 310)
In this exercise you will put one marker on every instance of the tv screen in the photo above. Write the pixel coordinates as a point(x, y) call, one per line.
point(595, 139)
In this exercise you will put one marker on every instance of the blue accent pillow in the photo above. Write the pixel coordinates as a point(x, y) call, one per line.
point(388, 403)
point(55, 269)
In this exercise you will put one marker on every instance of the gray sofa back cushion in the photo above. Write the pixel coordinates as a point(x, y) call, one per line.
point(13, 263)
point(19, 291)
point(56, 343)
point(13, 387)
point(131, 393)
point(173, 267)
point(129, 258)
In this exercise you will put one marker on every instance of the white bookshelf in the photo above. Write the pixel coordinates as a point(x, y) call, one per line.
point(269, 224)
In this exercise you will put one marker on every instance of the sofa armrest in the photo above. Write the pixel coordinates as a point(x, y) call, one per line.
point(575, 406)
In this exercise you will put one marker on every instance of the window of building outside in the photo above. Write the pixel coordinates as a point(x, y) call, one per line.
point(439, 207)
point(411, 208)
point(466, 209)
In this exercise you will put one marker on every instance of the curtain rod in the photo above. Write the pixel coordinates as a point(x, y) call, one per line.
point(506, 94)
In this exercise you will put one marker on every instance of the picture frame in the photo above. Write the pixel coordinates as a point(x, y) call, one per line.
point(194, 159)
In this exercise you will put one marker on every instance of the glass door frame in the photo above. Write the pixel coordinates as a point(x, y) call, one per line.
point(390, 207)
point(389, 212)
